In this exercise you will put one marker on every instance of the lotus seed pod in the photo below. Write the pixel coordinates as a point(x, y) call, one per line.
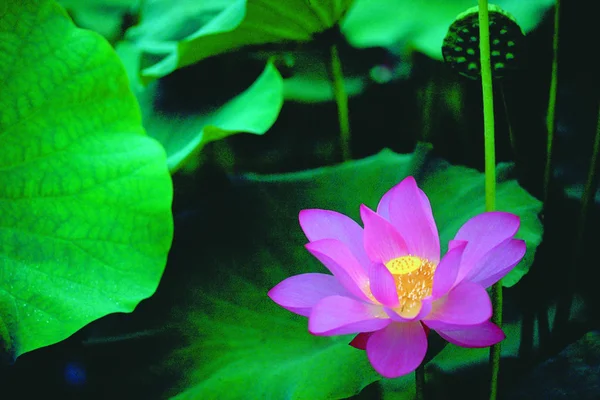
point(461, 44)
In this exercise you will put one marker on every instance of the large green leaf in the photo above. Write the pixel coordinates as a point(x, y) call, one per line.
point(236, 23)
point(184, 134)
point(85, 195)
point(245, 346)
point(422, 24)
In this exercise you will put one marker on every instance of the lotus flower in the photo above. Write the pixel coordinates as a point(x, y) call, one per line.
point(389, 285)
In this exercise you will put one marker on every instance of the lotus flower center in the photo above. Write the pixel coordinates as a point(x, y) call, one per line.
point(413, 277)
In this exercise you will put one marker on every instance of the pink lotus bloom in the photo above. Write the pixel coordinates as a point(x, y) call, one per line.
point(389, 285)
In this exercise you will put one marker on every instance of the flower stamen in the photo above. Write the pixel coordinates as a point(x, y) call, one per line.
point(413, 277)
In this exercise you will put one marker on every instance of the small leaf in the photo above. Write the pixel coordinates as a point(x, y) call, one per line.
point(236, 24)
point(253, 111)
point(239, 341)
point(85, 195)
point(184, 134)
point(103, 16)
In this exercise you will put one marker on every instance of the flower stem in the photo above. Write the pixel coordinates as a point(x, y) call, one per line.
point(564, 306)
point(517, 156)
point(420, 382)
point(148, 333)
point(488, 106)
point(341, 99)
point(550, 117)
point(490, 170)
point(496, 349)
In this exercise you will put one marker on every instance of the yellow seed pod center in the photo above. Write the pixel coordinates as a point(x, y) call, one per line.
point(404, 265)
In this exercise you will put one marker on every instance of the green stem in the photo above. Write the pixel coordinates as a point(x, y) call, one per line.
point(496, 349)
point(429, 92)
point(420, 382)
point(490, 170)
point(550, 117)
point(543, 326)
point(518, 158)
point(341, 99)
point(564, 306)
point(488, 106)
point(148, 333)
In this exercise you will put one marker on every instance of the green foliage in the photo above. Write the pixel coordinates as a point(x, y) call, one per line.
point(85, 196)
point(221, 26)
point(422, 25)
point(245, 346)
point(183, 135)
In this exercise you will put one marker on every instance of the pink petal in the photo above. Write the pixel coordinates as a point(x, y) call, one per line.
point(466, 304)
point(411, 215)
point(496, 263)
point(360, 340)
point(482, 335)
point(300, 293)
point(447, 270)
point(383, 286)
point(324, 224)
point(426, 305)
point(338, 315)
point(454, 243)
point(484, 232)
point(398, 349)
point(383, 208)
point(381, 240)
point(342, 264)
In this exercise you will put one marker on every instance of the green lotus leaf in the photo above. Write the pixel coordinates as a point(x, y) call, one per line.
point(466, 202)
point(253, 111)
point(85, 195)
point(184, 134)
point(233, 24)
point(421, 25)
point(241, 344)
